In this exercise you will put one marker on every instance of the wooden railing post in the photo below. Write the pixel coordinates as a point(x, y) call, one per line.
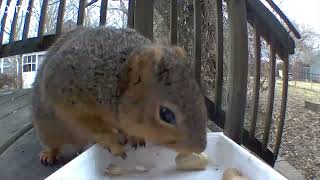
point(27, 20)
point(272, 81)
point(0, 3)
point(131, 9)
point(81, 12)
point(143, 18)
point(238, 70)
point(103, 13)
point(283, 105)
point(43, 18)
point(59, 24)
point(3, 21)
point(219, 57)
point(197, 40)
point(174, 22)
point(256, 87)
point(14, 22)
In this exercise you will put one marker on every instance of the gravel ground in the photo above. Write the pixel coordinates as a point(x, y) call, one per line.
point(301, 137)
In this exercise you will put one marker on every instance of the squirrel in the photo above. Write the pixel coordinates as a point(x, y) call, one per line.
point(97, 85)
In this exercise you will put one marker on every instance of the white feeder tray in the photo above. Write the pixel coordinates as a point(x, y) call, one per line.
point(222, 152)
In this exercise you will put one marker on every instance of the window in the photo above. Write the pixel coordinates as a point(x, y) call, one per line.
point(6, 62)
point(6, 66)
point(29, 63)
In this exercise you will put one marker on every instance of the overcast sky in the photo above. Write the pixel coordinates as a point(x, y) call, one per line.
point(306, 12)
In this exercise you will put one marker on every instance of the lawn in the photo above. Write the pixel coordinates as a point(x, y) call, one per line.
point(312, 86)
point(301, 137)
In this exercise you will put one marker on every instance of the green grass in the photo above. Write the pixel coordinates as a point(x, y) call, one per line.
point(312, 86)
point(302, 90)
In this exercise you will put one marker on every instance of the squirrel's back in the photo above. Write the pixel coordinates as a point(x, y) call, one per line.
point(100, 80)
point(83, 66)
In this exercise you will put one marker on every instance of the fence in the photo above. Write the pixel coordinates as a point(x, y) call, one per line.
point(304, 74)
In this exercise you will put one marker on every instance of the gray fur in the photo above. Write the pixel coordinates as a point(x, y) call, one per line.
point(83, 68)
point(89, 63)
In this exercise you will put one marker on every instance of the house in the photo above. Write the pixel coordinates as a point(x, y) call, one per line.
point(29, 65)
point(315, 68)
point(30, 62)
point(8, 65)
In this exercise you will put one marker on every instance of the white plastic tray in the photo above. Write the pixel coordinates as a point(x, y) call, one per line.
point(222, 152)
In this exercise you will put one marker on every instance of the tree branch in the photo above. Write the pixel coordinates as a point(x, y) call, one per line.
point(6, 30)
point(53, 3)
point(91, 2)
point(123, 7)
point(115, 9)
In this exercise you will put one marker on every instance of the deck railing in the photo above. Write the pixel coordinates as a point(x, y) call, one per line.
point(140, 17)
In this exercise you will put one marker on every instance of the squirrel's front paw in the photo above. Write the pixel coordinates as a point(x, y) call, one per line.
point(123, 139)
point(137, 142)
point(118, 152)
point(49, 157)
point(123, 155)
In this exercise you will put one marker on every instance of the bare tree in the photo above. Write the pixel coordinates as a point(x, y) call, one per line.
point(306, 47)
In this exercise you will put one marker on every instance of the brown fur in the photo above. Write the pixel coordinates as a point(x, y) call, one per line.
point(102, 84)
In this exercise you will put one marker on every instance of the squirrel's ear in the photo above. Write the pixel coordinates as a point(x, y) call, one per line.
point(179, 51)
point(140, 65)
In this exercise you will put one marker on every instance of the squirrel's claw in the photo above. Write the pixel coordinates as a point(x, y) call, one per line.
point(81, 150)
point(135, 146)
point(48, 158)
point(44, 162)
point(47, 162)
point(136, 142)
point(123, 142)
point(142, 143)
point(108, 150)
point(123, 156)
point(116, 150)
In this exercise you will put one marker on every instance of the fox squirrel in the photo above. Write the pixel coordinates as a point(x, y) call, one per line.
point(99, 84)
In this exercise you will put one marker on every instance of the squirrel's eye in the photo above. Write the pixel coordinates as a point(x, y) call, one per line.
point(167, 115)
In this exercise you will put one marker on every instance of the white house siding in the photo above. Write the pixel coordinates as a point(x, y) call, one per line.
point(315, 68)
point(30, 64)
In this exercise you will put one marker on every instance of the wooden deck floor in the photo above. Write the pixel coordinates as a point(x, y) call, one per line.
point(19, 146)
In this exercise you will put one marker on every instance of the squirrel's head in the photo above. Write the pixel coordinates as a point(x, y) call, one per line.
point(161, 101)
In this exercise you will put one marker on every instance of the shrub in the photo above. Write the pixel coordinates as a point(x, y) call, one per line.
point(7, 80)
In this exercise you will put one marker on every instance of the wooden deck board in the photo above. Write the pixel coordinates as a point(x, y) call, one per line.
point(9, 95)
point(19, 145)
point(13, 102)
point(15, 117)
point(13, 127)
point(21, 160)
